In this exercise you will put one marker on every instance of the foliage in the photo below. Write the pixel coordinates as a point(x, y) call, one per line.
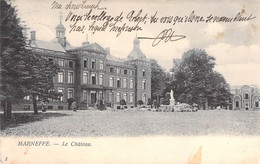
point(140, 102)
point(155, 104)
point(122, 102)
point(183, 107)
point(195, 81)
point(39, 83)
point(161, 101)
point(149, 101)
point(158, 79)
point(22, 72)
point(167, 99)
point(70, 101)
point(101, 105)
point(13, 55)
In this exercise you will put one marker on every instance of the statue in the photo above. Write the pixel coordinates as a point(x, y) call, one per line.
point(172, 95)
point(172, 100)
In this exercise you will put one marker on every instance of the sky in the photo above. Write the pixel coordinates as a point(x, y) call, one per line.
point(235, 45)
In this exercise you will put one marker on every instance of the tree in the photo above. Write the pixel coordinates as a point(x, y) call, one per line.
point(220, 91)
point(195, 81)
point(39, 83)
point(158, 79)
point(70, 101)
point(140, 102)
point(149, 102)
point(12, 70)
point(167, 99)
point(161, 101)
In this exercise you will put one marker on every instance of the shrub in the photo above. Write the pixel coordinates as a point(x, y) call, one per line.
point(167, 99)
point(140, 102)
point(122, 102)
point(70, 101)
point(161, 101)
point(101, 105)
point(149, 102)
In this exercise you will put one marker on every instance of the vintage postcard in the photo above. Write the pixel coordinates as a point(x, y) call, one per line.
point(108, 81)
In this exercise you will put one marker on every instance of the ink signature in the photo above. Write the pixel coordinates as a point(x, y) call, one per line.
point(166, 35)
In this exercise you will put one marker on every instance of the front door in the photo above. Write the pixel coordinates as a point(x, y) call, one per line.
point(93, 96)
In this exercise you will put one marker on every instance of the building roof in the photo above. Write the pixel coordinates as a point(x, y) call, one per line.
point(234, 87)
point(54, 46)
point(136, 53)
point(68, 45)
point(93, 46)
point(60, 26)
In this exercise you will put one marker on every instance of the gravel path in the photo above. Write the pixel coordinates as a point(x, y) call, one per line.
point(141, 123)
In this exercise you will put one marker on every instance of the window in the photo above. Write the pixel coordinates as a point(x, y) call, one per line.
point(85, 77)
point(246, 96)
point(131, 97)
point(84, 96)
point(111, 97)
point(93, 64)
point(125, 72)
point(27, 98)
point(61, 62)
point(118, 82)
point(144, 84)
point(70, 78)
point(125, 82)
point(131, 83)
point(60, 77)
point(144, 98)
point(111, 82)
point(118, 70)
point(101, 95)
point(101, 66)
point(61, 90)
point(257, 104)
point(70, 93)
point(101, 79)
point(111, 69)
point(93, 78)
point(117, 97)
point(133, 73)
point(144, 72)
point(237, 104)
point(125, 97)
point(71, 64)
point(85, 62)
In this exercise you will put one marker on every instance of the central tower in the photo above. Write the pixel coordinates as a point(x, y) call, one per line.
point(143, 72)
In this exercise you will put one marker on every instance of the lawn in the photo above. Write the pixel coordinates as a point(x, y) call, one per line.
point(140, 123)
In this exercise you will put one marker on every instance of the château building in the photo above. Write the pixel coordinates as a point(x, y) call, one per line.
point(245, 97)
point(90, 73)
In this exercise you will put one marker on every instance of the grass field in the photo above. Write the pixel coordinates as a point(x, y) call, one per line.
point(139, 123)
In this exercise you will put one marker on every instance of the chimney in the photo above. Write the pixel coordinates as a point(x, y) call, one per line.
point(33, 36)
point(107, 50)
point(86, 42)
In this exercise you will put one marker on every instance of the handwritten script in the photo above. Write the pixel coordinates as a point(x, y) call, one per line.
point(95, 17)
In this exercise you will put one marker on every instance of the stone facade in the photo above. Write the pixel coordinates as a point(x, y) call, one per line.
point(245, 97)
point(90, 73)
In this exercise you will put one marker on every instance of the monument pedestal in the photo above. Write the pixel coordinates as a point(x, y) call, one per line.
point(172, 102)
